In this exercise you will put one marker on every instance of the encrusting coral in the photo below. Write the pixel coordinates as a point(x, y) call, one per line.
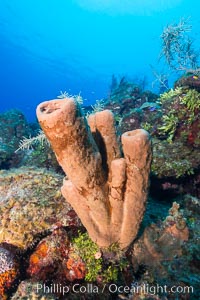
point(9, 270)
point(30, 205)
point(108, 191)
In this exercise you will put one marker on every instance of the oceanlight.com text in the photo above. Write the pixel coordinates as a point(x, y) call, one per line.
point(147, 289)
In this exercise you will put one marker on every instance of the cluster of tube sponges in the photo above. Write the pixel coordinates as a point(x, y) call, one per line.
point(107, 181)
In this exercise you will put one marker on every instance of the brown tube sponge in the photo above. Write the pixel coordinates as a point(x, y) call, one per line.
point(108, 190)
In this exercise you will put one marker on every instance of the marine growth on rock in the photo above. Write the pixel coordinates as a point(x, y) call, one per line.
point(9, 270)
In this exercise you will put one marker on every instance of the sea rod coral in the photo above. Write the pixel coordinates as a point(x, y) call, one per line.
point(108, 190)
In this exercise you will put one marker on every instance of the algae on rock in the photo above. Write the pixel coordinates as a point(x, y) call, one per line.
point(31, 204)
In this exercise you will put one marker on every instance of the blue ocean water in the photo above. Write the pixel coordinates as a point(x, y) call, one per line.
point(48, 46)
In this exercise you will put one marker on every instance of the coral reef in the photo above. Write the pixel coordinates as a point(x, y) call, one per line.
point(55, 260)
point(9, 270)
point(107, 191)
point(190, 80)
point(177, 137)
point(180, 110)
point(172, 121)
point(13, 127)
point(31, 204)
point(101, 266)
point(28, 290)
point(168, 252)
point(41, 156)
point(36, 151)
point(173, 159)
point(42, 240)
point(90, 254)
